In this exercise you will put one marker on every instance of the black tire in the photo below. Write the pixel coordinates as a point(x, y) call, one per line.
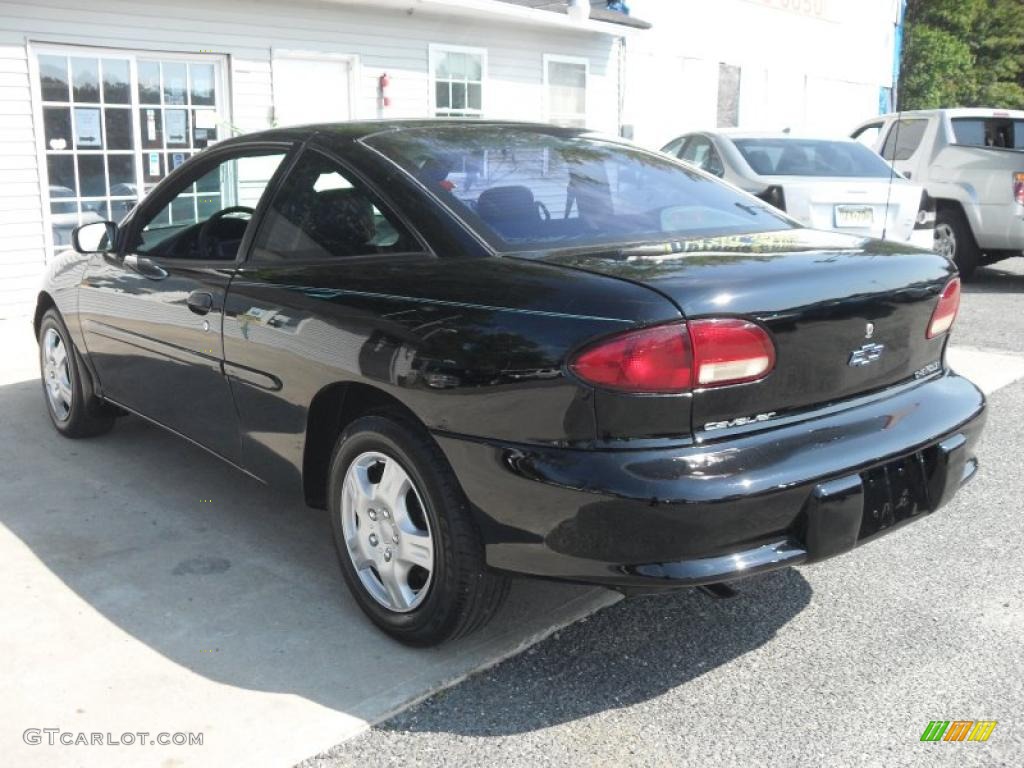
point(462, 594)
point(964, 251)
point(86, 415)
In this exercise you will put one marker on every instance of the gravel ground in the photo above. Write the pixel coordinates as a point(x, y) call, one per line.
point(842, 663)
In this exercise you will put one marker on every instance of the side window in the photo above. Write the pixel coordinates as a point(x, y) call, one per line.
point(699, 152)
point(868, 135)
point(208, 217)
point(320, 212)
point(673, 147)
point(695, 151)
point(903, 139)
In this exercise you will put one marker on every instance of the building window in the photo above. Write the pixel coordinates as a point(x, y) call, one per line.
point(728, 96)
point(114, 124)
point(565, 90)
point(458, 80)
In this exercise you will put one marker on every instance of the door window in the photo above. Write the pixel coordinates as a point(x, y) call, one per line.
point(699, 151)
point(208, 216)
point(320, 212)
point(113, 124)
point(903, 140)
point(673, 147)
point(868, 135)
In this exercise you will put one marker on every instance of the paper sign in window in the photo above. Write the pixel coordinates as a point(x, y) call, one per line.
point(87, 128)
point(176, 125)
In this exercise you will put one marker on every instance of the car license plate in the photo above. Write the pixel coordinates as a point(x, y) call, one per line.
point(854, 215)
point(893, 493)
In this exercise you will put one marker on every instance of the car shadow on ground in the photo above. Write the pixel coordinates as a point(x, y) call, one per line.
point(240, 584)
point(996, 279)
point(625, 655)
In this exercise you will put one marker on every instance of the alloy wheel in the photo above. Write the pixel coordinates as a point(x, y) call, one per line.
point(945, 240)
point(386, 530)
point(56, 374)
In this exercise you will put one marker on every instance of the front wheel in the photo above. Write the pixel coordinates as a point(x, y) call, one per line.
point(408, 548)
point(74, 410)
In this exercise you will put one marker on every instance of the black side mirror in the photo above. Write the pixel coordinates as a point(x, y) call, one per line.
point(94, 237)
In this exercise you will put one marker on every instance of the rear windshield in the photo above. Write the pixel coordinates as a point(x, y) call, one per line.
point(989, 132)
point(530, 189)
point(811, 157)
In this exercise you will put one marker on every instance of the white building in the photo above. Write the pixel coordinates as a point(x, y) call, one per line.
point(99, 101)
point(815, 66)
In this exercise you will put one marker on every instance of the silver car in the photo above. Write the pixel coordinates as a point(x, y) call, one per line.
point(822, 183)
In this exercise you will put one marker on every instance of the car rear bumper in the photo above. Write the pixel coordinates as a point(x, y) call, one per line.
point(726, 508)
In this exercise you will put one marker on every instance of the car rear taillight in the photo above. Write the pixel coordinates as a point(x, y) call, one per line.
point(657, 359)
point(1018, 188)
point(945, 311)
point(774, 196)
point(730, 351)
point(678, 357)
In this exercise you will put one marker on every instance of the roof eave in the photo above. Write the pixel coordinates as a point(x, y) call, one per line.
point(601, 21)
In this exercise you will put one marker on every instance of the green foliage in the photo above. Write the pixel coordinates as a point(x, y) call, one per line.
point(963, 53)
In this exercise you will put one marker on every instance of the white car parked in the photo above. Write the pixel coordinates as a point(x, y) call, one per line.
point(822, 183)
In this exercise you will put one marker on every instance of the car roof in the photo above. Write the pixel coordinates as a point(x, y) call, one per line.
point(1015, 114)
point(736, 133)
point(355, 130)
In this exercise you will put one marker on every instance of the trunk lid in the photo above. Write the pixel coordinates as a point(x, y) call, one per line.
point(825, 297)
point(867, 207)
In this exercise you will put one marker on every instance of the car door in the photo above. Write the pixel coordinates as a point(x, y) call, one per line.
point(152, 312)
point(902, 142)
point(319, 300)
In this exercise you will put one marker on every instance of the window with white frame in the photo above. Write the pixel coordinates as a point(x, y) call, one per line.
point(458, 76)
point(115, 123)
point(565, 90)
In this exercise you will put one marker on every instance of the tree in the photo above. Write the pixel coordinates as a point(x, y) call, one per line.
point(962, 53)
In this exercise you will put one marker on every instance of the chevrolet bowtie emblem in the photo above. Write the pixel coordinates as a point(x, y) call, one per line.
point(866, 355)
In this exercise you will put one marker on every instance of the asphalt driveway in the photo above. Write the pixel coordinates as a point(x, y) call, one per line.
point(841, 663)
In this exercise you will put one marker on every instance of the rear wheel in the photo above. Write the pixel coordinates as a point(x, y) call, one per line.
point(74, 409)
point(407, 545)
point(953, 239)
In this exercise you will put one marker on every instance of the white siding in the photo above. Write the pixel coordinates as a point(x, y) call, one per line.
point(21, 218)
point(383, 40)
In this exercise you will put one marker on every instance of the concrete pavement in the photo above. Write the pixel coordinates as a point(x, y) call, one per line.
point(148, 587)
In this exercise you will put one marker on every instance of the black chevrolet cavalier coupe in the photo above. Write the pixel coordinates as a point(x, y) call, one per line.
point(494, 348)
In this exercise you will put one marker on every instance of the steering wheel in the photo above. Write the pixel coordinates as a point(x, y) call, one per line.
point(205, 239)
point(544, 212)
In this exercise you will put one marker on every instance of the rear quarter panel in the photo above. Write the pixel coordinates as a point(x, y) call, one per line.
point(472, 346)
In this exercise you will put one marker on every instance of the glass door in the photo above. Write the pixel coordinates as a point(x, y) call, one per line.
point(115, 123)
